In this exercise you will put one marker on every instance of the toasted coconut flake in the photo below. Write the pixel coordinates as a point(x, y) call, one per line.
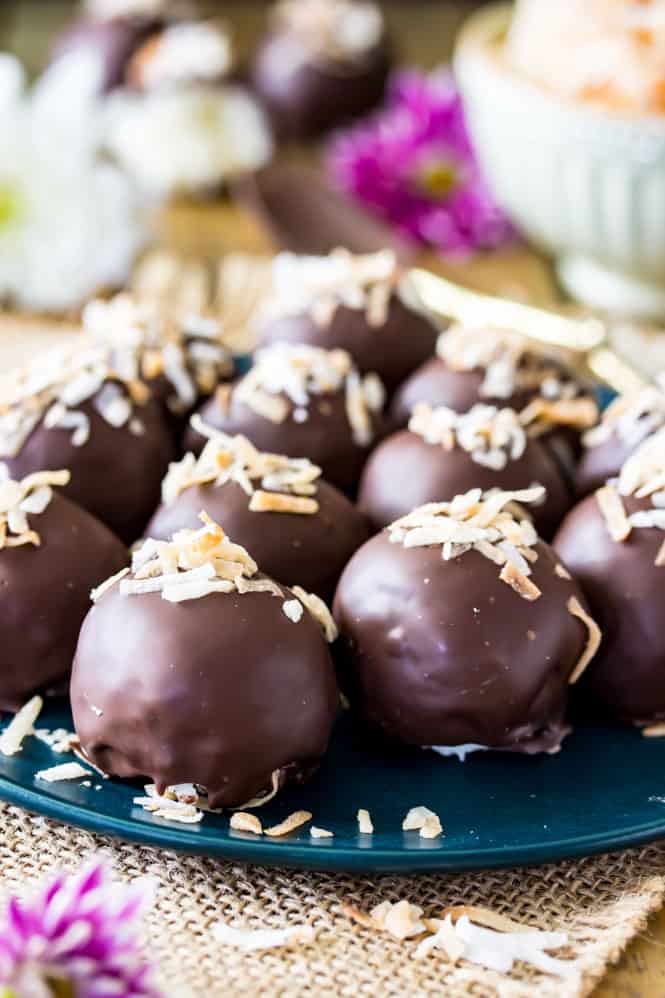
point(141, 339)
point(274, 482)
point(443, 937)
point(319, 285)
point(426, 822)
point(483, 916)
point(20, 499)
point(356, 915)
point(20, 726)
point(275, 502)
point(613, 510)
point(365, 825)
point(509, 362)
point(654, 730)
point(65, 771)
point(262, 799)
point(60, 741)
point(401, 919)
point(293, 609)
point(320, 833)
point(562, 572)
point(486, 523)
point(632, 418)
point(541, 414)
point(318, 609)
point(263, 939)
point(491, 436)
point(290, 824)
point(660, 557)
point(194, 564)
point(519, 582)
point(168, 806)
point(51, 388)
point(594, 638)
point(96, 594)
point(241, 821)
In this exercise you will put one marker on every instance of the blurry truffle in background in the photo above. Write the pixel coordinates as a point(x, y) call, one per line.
point(113, 30)
point(170, 119)
point(322, 63)
point(302, 401)
point(359, 303)
point(625, 425)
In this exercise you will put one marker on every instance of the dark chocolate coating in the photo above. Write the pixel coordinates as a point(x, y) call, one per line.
point(625, 590)
point(405, 471)
point(308, 550)
point(438, 384)
point(220, 691)
point(46, 595)
point(325, 437)
point(114, 41)
point(303, 97)
point(116, 475)
point(393, 350)
point(436, 652)
point(604, 461)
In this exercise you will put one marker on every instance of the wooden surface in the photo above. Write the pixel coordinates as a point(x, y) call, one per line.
point(425, 32)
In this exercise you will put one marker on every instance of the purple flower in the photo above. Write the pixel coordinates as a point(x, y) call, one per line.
point(78, 936)
point(414, 164)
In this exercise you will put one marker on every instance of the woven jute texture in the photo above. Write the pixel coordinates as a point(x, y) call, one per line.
point(601, 903)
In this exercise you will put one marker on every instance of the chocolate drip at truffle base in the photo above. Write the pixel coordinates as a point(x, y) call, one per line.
point(221, 691)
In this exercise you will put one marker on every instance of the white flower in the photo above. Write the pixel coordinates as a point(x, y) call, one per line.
point(187, 140)
point(69, 222)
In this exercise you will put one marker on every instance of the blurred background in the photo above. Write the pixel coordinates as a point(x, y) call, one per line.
point(425, 28)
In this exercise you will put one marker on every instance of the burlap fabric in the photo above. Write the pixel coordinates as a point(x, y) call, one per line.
point(600, 902)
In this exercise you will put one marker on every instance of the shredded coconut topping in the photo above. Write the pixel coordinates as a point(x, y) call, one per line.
point(486, 523)
point(641, 477)
point(631, 418)
point(492, 436)
point(273, 482)
point(510, 363)
point(319, 285)
point(51, 389)
point(142, 342)
point(333, 29)
point(18, 500)
point(285, 376)
point(20, 726)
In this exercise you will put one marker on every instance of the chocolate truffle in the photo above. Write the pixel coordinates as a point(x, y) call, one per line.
point(299, 528)
point(459, 627)
point(112, 32)
point(323, 63)
point(443, 454)
point(303, 402)
point(186, 53)
point(614, 543)
point(361, 304)
point(195, 668)
point(52, 553)
point(625, 424)
point(182, 359)
point(503, 368)
point(70, 409)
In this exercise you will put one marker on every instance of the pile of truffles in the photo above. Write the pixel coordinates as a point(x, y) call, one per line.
point(367, 508)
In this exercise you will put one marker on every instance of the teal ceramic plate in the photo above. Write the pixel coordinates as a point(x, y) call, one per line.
point(604, 790)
